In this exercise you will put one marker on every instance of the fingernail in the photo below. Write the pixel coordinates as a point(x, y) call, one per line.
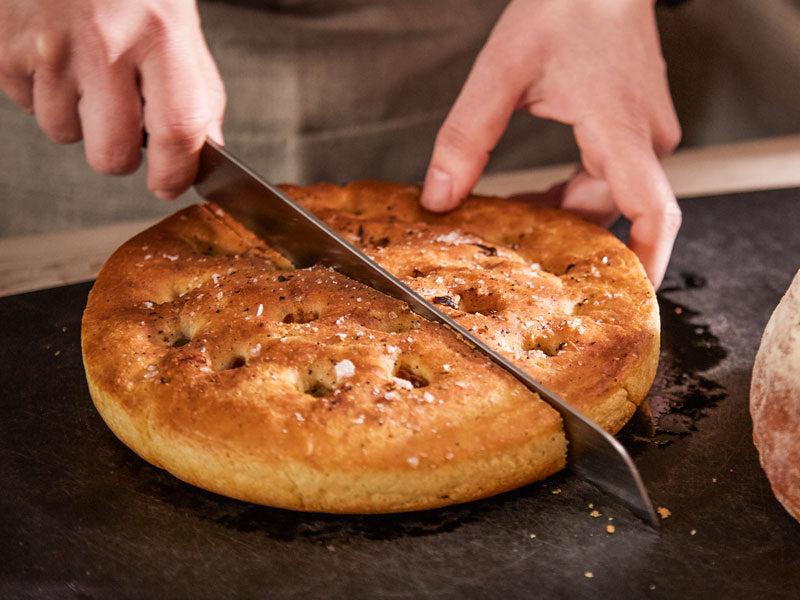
point(437, 191)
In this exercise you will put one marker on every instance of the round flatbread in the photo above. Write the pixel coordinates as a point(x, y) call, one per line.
point(212, 357)
point(775, 399)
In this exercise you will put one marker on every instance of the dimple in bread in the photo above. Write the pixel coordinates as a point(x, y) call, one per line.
point(212, 357)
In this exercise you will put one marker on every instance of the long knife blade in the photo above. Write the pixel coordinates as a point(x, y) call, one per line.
point(306, 241)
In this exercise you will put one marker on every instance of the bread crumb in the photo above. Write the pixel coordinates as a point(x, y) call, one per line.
point(594, 513)
point(693, 532)
point(532, 535)
point(557, 491)
point(588, 574)
point(663, 512)
point(610, 528)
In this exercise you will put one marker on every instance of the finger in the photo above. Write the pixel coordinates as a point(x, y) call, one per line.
point(654, 223)
point(110, 111)
point(471, 130)
point(55, 104)
point(19, 89)
point(665, 128)
point(177, 115)
point(215, 91)
point(590, 197)
point(643, 194)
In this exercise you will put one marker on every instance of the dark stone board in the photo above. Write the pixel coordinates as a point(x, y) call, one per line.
point(81, 516)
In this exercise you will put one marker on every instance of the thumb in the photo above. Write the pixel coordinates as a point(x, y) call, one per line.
point(471, 130)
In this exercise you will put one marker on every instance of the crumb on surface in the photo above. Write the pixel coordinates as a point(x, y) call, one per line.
point(610, 529)
point(663, 512)
point(557, 491)
point(588, 574)
point(595, 513)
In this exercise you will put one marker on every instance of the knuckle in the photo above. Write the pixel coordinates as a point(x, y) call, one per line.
point(672, 135)
point(455, 139)
point(51, 49)
point(671, 216)
point(183, 132)
point(452, 136)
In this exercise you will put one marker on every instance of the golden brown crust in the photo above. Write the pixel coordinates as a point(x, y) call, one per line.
point(213, 358)
point(775, 400)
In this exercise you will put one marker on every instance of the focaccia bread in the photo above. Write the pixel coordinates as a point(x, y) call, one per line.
point(212, 357)
point(775, 400)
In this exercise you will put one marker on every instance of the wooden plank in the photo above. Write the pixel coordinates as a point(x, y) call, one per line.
point(742, 167)
point(36, 262)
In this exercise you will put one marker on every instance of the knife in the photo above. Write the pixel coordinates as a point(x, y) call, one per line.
point(306, 241)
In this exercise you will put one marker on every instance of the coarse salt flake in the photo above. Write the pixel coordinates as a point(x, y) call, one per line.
point(344, 369)
point(403, 383)
point(260, 310)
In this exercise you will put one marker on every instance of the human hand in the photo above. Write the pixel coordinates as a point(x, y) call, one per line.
point(596, 66)
point(102, 70)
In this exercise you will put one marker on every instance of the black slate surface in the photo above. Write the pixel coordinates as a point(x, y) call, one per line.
point(81, 516)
